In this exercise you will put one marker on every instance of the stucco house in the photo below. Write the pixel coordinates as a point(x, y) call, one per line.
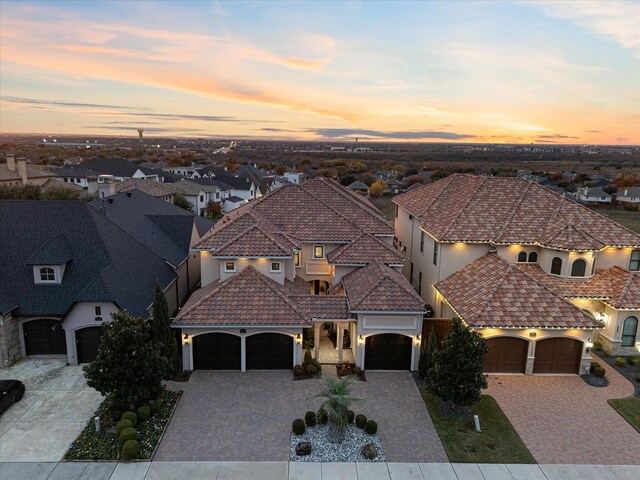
point(540, 276)
point(287, 263)
point(629, 195)
point(66, 266)
point(594, 196)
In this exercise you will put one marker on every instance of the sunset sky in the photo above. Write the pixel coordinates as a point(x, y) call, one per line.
point(544, 72)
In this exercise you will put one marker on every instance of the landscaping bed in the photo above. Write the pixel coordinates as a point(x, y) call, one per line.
point(349, 450)
point(346, 369)
point(103, 445)
point(497, 443)
point(629, 409)
point(630, 371)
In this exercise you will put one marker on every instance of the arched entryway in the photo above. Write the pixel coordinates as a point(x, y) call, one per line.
point(318, 287)
point(88, 343)
point(388, 351)
point(44, 337)
point(216, 351)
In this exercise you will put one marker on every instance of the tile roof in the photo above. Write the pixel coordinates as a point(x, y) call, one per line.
point(333, 307)
point(378, 287)
point(491, 292)
point(32, 172)
point(468, 208)
point(150, 187)
point(620, 288)
point(363, 250)
point(247, 298)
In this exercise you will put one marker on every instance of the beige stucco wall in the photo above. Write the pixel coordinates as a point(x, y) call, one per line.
point(263, 265)
point(610, 257)
point(83, 315)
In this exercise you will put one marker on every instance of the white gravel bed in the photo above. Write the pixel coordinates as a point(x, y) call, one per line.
point(324, 451)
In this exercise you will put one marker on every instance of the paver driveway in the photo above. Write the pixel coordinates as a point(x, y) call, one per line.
point(55, 408)
point(563, 420)
point(233, 416)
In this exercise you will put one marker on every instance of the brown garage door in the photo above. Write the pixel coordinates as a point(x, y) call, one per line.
point(557, 355)
point(506, 355)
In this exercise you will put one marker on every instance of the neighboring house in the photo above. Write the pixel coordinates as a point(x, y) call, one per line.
point(287, 263)
point(295, 178)
point(393, 186)
point(17, 172)
point(55, 184)
point(199, 195)
point(163, 191)
point(359, 187)
point(594, 196)
point(540, 276)
point(64, 268)
point(166, 230)
point(119, 168)
point(74, 175)
point(629, 195)
point(231, 203)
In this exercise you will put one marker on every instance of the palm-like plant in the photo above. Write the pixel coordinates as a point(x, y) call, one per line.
point(338, 399)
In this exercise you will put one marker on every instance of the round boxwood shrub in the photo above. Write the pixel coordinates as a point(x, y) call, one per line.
point(310, 419)
point(131, 416)
point(594, 365)
point(321, 416)
point(350, 416)
point(599, 372)
point(143, 413)
point(620, 361)
point(633, 360)
point(361, 421)
point(130, 450)
point(127, 434)
point(298, 426)
point(371, 427)
point(122, 424)
point(298, 370)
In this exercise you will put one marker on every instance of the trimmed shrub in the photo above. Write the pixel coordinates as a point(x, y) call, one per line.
point(130, 450)
point(298, 426)
point(122, 424)
point(310, 419)
point(357, 371)
point(127, 434)
point(310, 369)
point(633, 360)
point(361, 421)
point(350, 416)
point(143, 413)
point(322, 417)
point(371, 427)
point(620, 361)
point(599, 372)
point(597, 347)
point(298, 370)
point(131, 416)
point(594, 365)
point(156, 405)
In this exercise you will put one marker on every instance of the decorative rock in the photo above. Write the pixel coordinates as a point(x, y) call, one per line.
point(369, 451)
point(303, 448)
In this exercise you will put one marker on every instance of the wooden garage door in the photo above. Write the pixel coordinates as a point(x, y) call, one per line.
point(269, 351)
point(387, 351)
point(44, 337)
point(87, 343)
point(506, 355)
point(557, 355)
point(216, 351)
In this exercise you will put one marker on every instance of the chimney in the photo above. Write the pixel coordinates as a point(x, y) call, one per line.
point(11, 162)
point(22, 170)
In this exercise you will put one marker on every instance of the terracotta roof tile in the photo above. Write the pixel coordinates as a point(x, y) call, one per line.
point(155, 189)
point(510, 210)
point(323, 306)
point(494, 293)
point(378, 287)
point(363, 250)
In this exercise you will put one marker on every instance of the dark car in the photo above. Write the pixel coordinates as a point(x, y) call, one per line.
point(10, 391)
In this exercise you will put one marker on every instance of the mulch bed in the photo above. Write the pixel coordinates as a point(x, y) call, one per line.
point(630, 372)
point(595, 381)
point(345, 369)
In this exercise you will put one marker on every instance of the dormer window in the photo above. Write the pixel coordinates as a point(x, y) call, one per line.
point(47, 274)
point(556, 266)
point(229, 266)
point(522, 257)
point(533, 257)
point(634, 262)
point(579, 268)
point(275, 267)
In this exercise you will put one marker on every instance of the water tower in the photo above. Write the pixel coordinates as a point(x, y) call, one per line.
point(140, 140)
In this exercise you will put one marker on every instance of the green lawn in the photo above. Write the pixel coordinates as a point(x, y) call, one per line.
point(629, 409)
point(630, 220)
point(497, 443)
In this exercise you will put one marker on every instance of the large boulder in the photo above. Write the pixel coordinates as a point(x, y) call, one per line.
point(303, 448)
point(369, 451)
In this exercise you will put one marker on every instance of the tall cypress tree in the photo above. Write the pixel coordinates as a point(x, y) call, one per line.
point(163, 335)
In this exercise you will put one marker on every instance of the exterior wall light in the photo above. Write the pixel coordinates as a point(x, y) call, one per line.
point(299, 339)
point(418, 339)
point(185, 339)
point(360, 340)
point(589, 343)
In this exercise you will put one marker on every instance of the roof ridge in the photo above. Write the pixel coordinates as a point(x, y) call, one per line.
point(515, 210)
point(449, 180)
point(352, 196)
point(269, 283)
point(471, 197)
point(625, 287)
point(495, 289)
point(375, 286)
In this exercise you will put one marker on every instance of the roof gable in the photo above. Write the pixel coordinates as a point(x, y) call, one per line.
point(364, 250)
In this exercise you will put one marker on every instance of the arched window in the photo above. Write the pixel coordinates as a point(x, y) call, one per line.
point(629, 331)
point(47, 274)
point(579, 268)
point(556, 266)
point(533, 257)
point(522, 257)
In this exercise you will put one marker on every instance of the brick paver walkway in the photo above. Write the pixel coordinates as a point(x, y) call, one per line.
point(233, 416)
point(562, 420)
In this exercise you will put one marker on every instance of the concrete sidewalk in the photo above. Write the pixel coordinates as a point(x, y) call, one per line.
point(310, 471)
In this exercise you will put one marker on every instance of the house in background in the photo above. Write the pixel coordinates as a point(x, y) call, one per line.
point(359, 187)
point(161, 190)
point(629, 195)
point(593, 196)
point(17, 172)
point(285, 264)
point(540, 276)
point(198, 195)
